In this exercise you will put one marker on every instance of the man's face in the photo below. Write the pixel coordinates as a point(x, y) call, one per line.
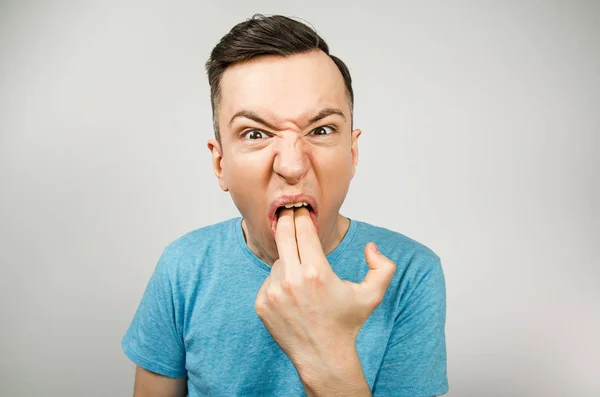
point(286, 137)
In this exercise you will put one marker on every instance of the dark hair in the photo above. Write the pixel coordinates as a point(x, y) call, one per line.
point(262, 35)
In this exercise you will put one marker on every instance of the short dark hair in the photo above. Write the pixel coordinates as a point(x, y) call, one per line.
point(265, 35)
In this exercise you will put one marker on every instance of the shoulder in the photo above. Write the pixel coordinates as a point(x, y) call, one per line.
point(191, 241)
point(418, 283)
point(409, 254)
point(193, 247)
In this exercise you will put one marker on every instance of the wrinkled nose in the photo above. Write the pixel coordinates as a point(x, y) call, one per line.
point(291, 160)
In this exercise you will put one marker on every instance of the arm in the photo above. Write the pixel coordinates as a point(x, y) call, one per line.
point(154, 339)
point(415, 361)
point(312, 314)
point(344, 378)
point(151, 384)
point(414, 364)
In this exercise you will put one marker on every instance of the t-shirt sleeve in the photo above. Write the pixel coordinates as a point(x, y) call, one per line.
point(414, 364)
point(154, 338)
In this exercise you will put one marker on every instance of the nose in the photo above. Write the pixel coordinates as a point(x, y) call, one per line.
point(291, 159)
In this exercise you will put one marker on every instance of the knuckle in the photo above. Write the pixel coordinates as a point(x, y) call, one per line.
point(276, 264)
point(273, 295)
point(372, 299)
point(288, 284)
point(392, 267)
point(259, 308)
point(312, 275)
point(375, 299)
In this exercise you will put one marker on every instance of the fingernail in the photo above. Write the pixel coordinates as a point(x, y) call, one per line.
point(374, 248)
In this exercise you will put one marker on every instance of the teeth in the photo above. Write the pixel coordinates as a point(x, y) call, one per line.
point(292, 205)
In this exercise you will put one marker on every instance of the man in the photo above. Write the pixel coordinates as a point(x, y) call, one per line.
point(292, 298)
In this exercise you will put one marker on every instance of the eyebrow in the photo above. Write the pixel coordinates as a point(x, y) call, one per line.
point(255, 117)
point(325, 113)
point(252, 116)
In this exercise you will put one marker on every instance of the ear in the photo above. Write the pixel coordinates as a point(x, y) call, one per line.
point(217, 162)
point(355, 134)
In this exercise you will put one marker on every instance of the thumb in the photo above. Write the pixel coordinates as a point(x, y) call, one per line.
point(381, 271)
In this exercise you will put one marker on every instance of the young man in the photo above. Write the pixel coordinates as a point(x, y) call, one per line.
point(291, 298)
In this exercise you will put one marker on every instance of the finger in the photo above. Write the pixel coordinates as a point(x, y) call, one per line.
point(309, 244)
point(379, 276)
point(285, 238)
point(275, 274)
point(260, 302)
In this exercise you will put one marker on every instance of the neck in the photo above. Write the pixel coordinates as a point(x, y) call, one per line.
point(267, 250)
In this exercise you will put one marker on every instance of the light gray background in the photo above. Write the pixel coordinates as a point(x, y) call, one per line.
point(481, 124)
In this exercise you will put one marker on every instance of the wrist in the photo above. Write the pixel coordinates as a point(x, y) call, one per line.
point(341, 375)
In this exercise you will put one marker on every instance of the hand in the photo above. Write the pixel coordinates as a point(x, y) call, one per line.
point(311, 313)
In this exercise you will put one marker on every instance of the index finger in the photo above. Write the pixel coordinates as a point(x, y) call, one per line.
point(309, 244)
point(285, 237)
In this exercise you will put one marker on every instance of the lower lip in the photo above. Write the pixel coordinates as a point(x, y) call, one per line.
point(313, 216)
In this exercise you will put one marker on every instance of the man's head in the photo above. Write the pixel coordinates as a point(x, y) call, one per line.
point(282, 113)
point(274, 35)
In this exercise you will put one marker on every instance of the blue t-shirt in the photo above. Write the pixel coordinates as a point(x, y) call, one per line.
point(197, 317)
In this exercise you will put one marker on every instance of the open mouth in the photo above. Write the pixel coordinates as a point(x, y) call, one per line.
point(294, 206)
point(292, 202)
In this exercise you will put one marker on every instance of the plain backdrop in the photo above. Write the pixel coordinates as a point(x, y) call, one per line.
point(480, 139)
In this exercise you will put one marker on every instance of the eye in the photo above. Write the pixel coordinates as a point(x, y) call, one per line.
point(254, 134)
point(323, 130)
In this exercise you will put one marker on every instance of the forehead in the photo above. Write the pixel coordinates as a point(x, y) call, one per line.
point(283, 89)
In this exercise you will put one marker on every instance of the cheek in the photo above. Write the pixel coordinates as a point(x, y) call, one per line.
point(242, 168)
point(334, 172)
point(334, 163)
point(247, 175)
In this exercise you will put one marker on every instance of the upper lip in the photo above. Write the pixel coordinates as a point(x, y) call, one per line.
point(291, 199)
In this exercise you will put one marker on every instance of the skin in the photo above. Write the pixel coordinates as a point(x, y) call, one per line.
point(293, 157)
point(150, 384)
point(272, 149)
point(315, 316)
point(311, 313)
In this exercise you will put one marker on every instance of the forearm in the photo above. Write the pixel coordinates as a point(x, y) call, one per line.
point(342, 377)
